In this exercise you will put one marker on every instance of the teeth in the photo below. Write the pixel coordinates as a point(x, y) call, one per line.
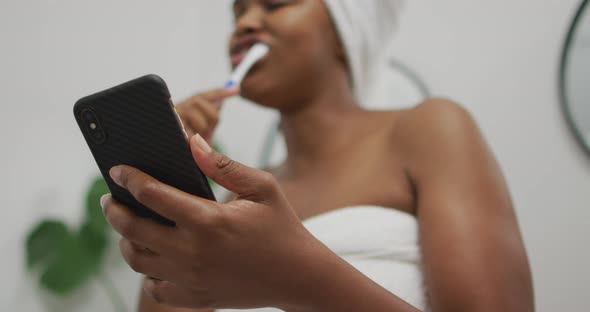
point(241, 53)
point(244, 49)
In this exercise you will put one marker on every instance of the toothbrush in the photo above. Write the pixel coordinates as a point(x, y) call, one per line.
point(257, 52)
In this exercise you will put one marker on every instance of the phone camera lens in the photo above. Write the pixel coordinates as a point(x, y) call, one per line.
point(93, 128)
point(97, 135)
point(88, 115)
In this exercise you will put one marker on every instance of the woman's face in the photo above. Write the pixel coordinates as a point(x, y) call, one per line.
point(304, 48)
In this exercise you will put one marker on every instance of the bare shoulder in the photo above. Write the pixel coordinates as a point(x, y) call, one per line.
point(436, 123)
point(436, 134)
point(435, 114)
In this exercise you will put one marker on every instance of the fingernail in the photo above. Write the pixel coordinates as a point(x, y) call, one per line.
point(116, 175)
point(202, 144)
point(103, 201)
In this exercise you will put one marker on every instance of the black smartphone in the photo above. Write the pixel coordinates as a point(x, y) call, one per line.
point(135, 124)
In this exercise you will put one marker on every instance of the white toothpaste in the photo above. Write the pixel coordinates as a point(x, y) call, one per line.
point(255, 54)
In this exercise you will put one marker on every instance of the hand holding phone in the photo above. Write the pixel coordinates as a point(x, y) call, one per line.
point(135, 124)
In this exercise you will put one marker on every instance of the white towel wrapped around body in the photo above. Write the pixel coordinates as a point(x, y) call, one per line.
point(381, 243)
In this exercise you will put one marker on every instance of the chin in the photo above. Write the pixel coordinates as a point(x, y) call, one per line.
point(264, 92)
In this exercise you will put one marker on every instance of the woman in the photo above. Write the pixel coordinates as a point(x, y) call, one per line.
point(360, 180)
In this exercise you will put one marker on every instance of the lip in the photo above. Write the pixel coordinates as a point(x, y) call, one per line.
point(241, 46)
point(236, 60)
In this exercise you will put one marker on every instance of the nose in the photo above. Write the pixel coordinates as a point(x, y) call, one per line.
point(251, 21)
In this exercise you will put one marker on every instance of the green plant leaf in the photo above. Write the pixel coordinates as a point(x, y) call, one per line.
point(73, 266)
point(70, 259)
point(78, 259)
point(94, 217)
point(45, 242)
point(93, 243)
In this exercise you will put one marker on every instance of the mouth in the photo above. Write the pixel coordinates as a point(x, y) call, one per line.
point(239, 50)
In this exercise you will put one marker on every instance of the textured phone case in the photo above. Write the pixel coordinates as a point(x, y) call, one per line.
point(142, 130)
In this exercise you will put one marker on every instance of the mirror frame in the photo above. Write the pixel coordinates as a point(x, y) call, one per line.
point(565, 57)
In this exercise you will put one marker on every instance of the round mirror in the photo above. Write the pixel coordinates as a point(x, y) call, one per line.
point(575, 76)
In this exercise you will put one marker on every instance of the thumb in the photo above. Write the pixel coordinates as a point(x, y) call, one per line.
point(245, 181)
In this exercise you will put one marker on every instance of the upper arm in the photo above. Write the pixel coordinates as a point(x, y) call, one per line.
point(474, 257)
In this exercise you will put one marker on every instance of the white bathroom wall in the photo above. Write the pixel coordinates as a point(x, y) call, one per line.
point(499, 58)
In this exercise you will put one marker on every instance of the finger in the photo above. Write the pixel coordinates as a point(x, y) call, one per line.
point(167, 201)
point(140, 230)
point(217, 95)
point(210, 112)
point(144, 261)
point(142, 248)
point(195, 120)
point(245, 181)
point(168, 293)
point(192, 117)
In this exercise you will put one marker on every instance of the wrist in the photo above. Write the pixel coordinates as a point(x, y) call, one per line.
point(325, 282)
point(313, 281)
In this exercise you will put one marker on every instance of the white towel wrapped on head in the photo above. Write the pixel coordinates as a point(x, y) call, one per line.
point(365, 28)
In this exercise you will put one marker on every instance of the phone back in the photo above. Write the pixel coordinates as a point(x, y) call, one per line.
point(135, 124)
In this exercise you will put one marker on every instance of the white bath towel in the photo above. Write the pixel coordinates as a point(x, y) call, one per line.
point(365, 28)
point(381, 243)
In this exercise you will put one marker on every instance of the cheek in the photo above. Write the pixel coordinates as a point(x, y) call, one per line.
point(303, 38)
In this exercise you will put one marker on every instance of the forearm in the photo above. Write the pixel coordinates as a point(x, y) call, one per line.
point(335, 285)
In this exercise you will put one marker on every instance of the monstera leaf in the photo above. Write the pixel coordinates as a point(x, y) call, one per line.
point(45, 242)
point(67, 258)
point(76, 262)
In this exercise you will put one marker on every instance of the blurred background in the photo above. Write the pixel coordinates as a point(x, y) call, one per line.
point(500, 59)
